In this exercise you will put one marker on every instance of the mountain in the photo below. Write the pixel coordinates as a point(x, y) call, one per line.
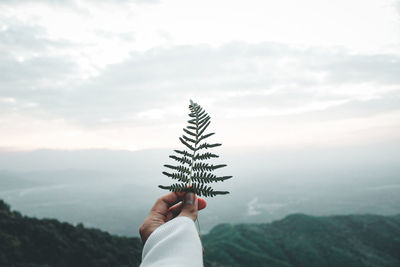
point(297, 240)
point(301, 240)
point(32, 242)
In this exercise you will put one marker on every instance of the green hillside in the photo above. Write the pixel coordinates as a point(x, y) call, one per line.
point(297, 240)
point(29, 242)
point(301, 240)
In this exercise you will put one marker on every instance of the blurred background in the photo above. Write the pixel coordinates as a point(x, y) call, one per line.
point(303, 95)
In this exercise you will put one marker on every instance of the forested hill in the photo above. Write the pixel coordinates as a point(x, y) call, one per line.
point(301, 240)
point(297, 240)
point(29, 242)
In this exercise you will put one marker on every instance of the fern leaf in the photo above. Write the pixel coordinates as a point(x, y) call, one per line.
point(183, 152)
point(192, 121)
point(206, 146)
point(180, 168)
point(200, 166)
point(183, 160)
point(175, 187)
point(189, 139)
point(186, 144)
point(207, 191)
point(177, 176)
point(223, 178)
point(204, 122)
point(189, 132)
point(204, 137)
point(193, 174)
point(201, 130)
point(204, 177)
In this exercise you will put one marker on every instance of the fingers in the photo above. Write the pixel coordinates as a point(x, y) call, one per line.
point(190, 206)
point(176, 209)
point(163, 203)
point(170, 207)
point(202, 203)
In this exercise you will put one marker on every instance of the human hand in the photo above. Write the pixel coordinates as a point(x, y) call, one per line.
point(168, 207)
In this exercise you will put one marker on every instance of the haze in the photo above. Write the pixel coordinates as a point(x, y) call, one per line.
point(304, 96)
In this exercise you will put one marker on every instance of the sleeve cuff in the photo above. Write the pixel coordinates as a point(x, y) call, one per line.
point(175, 243)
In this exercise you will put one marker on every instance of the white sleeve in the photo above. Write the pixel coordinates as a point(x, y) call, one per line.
point(175, 243)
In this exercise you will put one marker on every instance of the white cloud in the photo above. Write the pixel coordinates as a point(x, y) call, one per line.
point(252, 207)
point(9, 100)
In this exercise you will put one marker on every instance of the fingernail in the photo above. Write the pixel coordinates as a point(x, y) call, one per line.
point(189, 198)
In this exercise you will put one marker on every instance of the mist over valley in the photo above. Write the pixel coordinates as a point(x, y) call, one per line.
point(113, 190)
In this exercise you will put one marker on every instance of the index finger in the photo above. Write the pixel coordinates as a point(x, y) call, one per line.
point(163, 203)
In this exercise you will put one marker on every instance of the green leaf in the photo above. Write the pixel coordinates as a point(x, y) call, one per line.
point(204, 137)
point(201, 131)
point(189, 139)
point(177, 176)
point(206, 146)
point(205, 156)
point(200, 166)
point(184, 152)
point(203, 122)
point(193, 174)
point(201, 114)
point(183, 160)
point(189, 132)
point(186, 144)
point(192, 121)
point(175, 187)
point(180, 168)
point(203, 190)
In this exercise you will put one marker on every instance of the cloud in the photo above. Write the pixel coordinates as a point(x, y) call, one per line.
point(90, 73)
point(75, 2)
point(283, 79)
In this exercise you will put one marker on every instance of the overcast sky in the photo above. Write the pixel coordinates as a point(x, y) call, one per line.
point(119, 74)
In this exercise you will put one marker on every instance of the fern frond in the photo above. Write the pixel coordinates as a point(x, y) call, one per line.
point(193, 173)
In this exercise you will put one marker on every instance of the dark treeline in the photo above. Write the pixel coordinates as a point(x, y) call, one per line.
point(32, 242)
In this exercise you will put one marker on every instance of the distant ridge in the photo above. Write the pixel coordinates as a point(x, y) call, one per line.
point(301, 240)
point(297, 240)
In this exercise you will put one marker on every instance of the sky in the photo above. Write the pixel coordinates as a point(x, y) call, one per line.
point(119, 74)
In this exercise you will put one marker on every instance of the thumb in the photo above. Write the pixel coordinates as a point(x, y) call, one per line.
point(190, 206)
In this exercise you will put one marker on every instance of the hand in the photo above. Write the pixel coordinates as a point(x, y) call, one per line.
point(168, 207)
